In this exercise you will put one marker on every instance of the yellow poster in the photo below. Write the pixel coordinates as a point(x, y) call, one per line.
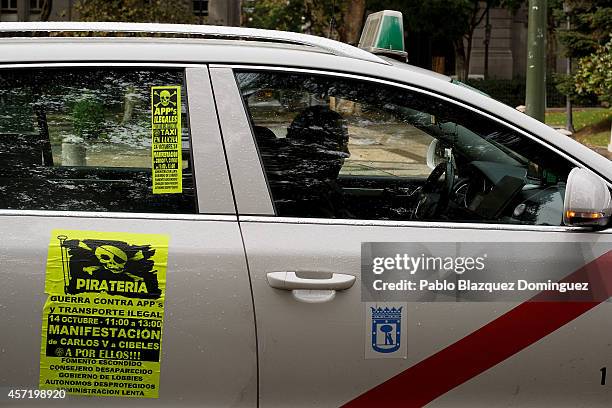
point(103, 319)
point(166, 150)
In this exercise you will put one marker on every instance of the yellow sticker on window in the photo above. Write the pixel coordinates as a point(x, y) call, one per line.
point(103, 319)
point(166, 148)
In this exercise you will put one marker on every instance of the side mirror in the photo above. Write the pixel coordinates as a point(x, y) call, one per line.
point(587, 200)
point(434, 156)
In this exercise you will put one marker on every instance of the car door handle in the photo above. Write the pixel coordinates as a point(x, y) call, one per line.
point(291, 281)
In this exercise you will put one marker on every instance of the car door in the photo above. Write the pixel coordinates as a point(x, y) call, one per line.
point(320, 337)
point(110, 178)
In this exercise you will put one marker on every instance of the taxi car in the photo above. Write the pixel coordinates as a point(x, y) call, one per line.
point(293, 151)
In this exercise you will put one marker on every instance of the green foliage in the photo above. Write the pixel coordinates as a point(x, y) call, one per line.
point(592, 125)
point(582, 117)
point(591, 24)
point(142, 11)
point(565, 85)
point(88, 118)
point(512, 92)
point(286, 15)
point(302, 16)
point(594, 73)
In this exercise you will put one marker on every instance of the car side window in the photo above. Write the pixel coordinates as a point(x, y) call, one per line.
point(343, 148)
point(80, 139)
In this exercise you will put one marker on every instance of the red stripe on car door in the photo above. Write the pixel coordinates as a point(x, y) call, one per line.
point(490, 345)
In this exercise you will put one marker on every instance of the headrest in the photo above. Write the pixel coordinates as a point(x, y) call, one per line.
point(321, 127)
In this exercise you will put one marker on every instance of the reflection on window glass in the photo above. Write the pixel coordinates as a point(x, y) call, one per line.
point(81, 140)
point(340, 148)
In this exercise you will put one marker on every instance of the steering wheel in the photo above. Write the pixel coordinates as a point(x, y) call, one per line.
point(433, 196)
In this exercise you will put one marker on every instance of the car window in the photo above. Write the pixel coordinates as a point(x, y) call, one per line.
point(83, 139)
point(343, 148)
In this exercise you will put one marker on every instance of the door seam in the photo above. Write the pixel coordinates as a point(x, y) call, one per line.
point(246, 260)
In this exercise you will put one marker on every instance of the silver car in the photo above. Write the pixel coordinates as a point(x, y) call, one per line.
point(214, 187)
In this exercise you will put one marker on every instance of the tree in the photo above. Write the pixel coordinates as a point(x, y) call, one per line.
point(45, 10)
point(472, 15)
point(594, 73)
point(591, 25)
point(338, 19)
point(285, 15)
point(143, 11)
point(352, 21)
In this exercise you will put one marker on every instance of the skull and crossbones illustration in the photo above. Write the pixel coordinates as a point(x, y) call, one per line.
point(112, 259)
point(164, 98)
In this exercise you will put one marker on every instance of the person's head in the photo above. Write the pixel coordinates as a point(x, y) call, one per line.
point(319, 136)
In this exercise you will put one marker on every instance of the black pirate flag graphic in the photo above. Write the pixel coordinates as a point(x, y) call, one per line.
point(110, 266)
point(105, 307)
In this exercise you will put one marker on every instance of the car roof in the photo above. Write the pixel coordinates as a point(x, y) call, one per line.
point(194, 31)
point(220, 35)
point(30, 43)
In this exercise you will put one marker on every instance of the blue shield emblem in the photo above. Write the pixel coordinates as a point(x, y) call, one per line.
point(386, 329)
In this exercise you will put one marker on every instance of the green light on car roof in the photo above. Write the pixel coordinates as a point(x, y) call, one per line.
point(391, 34)
point(383, 33)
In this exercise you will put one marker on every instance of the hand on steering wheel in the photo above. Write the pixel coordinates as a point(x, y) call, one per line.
point(434, 197)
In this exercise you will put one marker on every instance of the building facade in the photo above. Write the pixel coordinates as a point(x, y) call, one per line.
point(507, 45)
point(31, 10)
point(507, 48)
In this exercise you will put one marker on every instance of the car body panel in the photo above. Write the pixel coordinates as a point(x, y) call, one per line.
point(562, 370)
point(250, 188)
point(208, 335)
point(321, 346)
point(208, 154)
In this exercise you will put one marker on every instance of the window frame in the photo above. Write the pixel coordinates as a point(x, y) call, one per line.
point(197, 100)
point(412, 88)
point(38, 8)
point(8, 8)
point(201, 11)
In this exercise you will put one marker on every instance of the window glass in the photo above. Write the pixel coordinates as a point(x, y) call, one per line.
point(340, 148)
point(35, 5)
point(81, 139)
point(200, 7)
point(8, 5)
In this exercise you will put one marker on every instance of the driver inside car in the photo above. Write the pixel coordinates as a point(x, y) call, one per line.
point(313, 152)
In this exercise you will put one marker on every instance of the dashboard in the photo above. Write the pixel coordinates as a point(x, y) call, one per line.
point(493, 191)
